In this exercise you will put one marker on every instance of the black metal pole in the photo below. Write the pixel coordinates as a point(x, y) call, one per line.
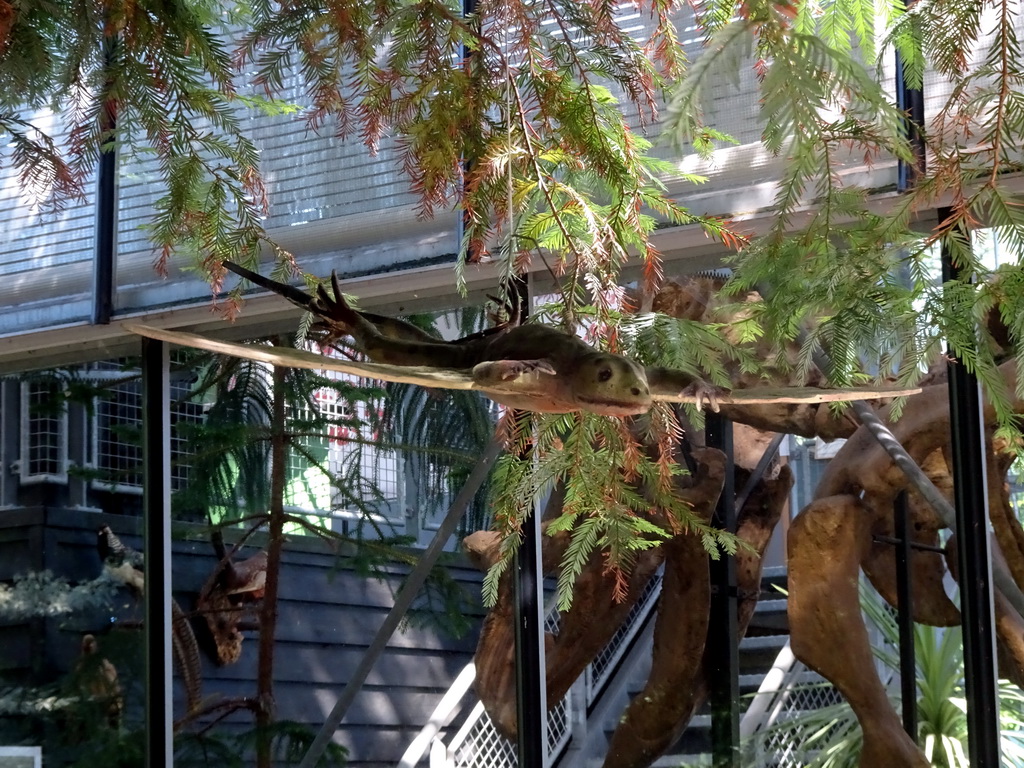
point(466, 52)
point(905, 617)
point(723, 631)
point(106, 206)
point(531, 680)
point(970, 494)
point(156, 472)
point(910, 101)
point(528, 597)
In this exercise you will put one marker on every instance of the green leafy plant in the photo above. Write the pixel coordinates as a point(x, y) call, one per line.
point(829, 737)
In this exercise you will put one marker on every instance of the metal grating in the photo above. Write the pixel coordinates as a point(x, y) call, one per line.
point(368, 473)
point(117, 452)
point(484, 747)
point(44, 445)
point(783, 744)
point(607, 659)
point(477, 743)
point(116, 445)
point(481, 746)
point(559, 727)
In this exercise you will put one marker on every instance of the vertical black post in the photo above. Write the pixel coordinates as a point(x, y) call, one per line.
point(910, 101)
point(723, 632)
point(970, 495)
point(156, 471)
point(528, 596)
point(106, 204)
point(904, 598)
point(531, 680)
point(468, 9)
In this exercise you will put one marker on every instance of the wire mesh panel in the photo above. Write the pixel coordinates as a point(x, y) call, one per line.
point(44, 445)
point(607, 659)
point(334, 467)
point(559, 727)
point(116, 445)
point(482, 746)
point(117, 448)
point(784, 743)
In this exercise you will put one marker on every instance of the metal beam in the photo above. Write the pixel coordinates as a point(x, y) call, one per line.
point(723, 631)
point(974, 561)
point(904, 599)
point(106, 204)
point(156, 473)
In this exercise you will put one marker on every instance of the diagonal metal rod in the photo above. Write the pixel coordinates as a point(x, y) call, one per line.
point(759, 470)
point(923, 485)
point(402, 603)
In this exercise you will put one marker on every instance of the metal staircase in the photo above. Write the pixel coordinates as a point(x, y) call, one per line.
point(461, 735)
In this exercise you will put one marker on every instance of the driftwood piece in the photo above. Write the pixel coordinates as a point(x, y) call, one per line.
point(1005, 526)
point(595, 614)
point(863, 467)
point(1009, 624)
point(827, 543)
point(647, 731)
point(1010, 641)
point(226, 602)
point(931, 604)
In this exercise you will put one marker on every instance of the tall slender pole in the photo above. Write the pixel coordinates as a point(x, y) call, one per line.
point(466, 52)
point(528, 600)
point(904, 599)
point(910, 101)
point(106, 203)
point(531, 678)
point(156, 472)
point(974, 560)
point(723, 631)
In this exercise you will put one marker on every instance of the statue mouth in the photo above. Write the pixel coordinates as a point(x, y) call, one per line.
point(609, 407)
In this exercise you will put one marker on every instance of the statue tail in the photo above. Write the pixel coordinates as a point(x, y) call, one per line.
point(294, 295)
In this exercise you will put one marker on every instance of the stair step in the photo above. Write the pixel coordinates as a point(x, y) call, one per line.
point(771, 605)
point(766, 635)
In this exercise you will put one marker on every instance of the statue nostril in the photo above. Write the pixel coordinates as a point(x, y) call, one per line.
point(636, 391)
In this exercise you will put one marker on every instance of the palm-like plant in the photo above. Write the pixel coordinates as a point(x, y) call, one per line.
point(829, 737)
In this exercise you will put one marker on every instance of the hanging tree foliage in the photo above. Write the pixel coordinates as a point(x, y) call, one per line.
point(518, 111)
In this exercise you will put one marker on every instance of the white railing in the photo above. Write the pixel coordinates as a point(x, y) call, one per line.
point(788, 690)
point(478, 744)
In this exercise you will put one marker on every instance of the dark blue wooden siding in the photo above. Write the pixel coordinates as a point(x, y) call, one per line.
point(327, 617)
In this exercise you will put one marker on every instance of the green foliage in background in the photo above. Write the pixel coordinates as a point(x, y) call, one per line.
point(829, 737)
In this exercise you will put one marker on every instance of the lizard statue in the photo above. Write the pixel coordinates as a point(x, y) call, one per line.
point(577, 376)
point(531, 367)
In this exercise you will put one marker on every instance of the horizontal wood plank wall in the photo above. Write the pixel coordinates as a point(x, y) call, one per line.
point(327, 616)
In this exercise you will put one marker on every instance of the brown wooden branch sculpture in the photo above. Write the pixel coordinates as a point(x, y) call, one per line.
point(835, 535)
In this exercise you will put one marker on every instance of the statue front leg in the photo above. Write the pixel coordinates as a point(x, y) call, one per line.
point(827, 543)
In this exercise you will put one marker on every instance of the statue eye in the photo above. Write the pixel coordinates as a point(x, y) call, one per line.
point(604, 374)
